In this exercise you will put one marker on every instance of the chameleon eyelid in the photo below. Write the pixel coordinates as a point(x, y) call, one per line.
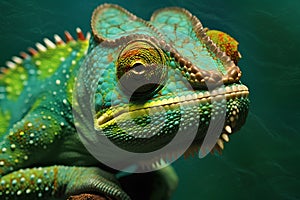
point(141, 68)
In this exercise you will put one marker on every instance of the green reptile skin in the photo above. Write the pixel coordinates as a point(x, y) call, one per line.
point(41, 155)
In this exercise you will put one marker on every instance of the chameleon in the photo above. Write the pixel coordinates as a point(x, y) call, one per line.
point(42, 155)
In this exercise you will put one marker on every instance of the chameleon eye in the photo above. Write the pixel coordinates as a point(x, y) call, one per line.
point(141, 69)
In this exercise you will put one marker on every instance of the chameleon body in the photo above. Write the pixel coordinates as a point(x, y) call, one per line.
point(41, 155)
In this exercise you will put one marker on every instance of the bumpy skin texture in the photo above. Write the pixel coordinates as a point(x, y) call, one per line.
point(226, 43)
point(36, 122)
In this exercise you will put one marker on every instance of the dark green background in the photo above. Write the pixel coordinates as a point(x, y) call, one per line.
point(262, 160)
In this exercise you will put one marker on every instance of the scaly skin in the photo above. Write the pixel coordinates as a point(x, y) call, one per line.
point(36, 94)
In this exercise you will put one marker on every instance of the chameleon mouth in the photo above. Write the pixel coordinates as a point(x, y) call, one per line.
point(227, 92)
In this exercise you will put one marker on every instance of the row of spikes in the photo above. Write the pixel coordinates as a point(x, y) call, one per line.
point(41, 48)
point(192, 151)
point(167, 159)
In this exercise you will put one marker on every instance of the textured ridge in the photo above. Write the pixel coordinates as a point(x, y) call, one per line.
point(39, 47)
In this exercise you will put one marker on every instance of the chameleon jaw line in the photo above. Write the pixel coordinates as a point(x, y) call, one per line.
point(227, 93)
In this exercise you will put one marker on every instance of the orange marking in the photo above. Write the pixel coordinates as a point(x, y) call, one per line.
point(68, 36)
point(80, 35)
point(23, 55)
point(32, 51)
point(110, 58)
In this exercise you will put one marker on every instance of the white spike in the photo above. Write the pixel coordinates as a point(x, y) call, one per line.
point(40, 47)
point(88, 36)
point(11, 64)
point(157, 164)
point(153, 165)
point(225, 137)
point(17, 60)
point(49, 43)
point(58, 39)
point(78, 30)
point(228, 129)
point(162, 162)
point(220, 143)
point(239, 55)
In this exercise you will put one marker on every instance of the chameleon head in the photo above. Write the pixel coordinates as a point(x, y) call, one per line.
point(155, 80)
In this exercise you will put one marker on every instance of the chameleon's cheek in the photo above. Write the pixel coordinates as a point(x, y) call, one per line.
point(141, 69)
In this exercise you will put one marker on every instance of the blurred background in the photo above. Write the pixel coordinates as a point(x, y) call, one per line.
point(262, 160)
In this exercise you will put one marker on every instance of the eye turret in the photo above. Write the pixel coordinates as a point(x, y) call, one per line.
point(141, 69)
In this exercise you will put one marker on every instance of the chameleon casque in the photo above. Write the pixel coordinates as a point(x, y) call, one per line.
point(41, 155)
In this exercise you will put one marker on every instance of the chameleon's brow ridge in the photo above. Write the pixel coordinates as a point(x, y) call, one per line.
point(233, 72)
point(131, 19)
